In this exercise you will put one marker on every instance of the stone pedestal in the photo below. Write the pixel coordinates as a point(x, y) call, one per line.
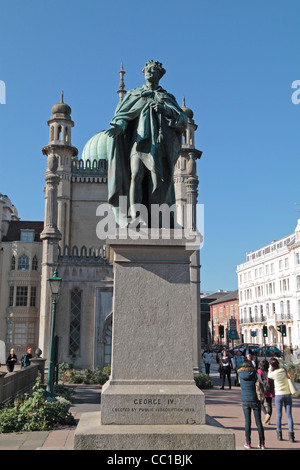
point(151, 399)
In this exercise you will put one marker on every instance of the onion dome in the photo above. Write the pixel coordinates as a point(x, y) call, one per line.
point(61, 108)
point(95, 148)
point(187, 111)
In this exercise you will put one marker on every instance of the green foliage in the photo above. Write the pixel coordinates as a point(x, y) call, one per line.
point(10, 420)
point(36, 412)
point(61, 390)
point(203, 381)
point(67, 374)
point(294, 370)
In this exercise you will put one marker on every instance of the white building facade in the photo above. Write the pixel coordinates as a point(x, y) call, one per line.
point(269, 292)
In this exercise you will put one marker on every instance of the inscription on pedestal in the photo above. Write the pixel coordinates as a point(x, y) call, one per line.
point(161, 408)
point(142, 405)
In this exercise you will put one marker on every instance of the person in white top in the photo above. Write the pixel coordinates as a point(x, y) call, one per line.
point(283, 396)
point(207, 359)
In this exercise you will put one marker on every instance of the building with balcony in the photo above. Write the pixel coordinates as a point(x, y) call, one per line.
point(269, 292)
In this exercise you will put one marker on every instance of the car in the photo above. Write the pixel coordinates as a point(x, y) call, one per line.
point(269, 351)
point(241, 347)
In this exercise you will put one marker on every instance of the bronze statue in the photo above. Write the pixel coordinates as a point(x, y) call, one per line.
point(144, 144)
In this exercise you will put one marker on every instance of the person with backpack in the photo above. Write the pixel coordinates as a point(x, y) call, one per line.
point(268, 384)
point(250, 401)
point(25, 361)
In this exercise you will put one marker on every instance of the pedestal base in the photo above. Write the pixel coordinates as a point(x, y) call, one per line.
point(91, 435)
point(148, 404)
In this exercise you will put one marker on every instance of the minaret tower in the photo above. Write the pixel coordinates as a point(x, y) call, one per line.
point(60, 125)
point(186, 192)
point(59, 152)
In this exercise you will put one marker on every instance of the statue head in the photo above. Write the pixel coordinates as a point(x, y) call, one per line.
point(153, 69)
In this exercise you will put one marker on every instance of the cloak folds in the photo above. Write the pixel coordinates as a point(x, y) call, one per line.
point(152, 137)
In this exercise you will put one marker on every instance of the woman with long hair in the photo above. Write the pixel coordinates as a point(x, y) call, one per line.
point(283, 397)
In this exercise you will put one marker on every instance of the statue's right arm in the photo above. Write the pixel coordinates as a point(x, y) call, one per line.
point(115, 130)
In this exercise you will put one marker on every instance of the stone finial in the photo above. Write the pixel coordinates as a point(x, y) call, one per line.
point(38, 352)
point(188, 111)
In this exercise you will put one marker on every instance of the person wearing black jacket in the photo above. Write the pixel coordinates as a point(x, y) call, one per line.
point(247, 351)
point(225, 366)
point(248, 377)
point(11, 361)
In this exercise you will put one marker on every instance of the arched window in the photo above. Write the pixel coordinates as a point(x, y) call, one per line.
point(75, 323)
point(59, 133)
point(23, 262)
point(34, 263)
point(13, 263)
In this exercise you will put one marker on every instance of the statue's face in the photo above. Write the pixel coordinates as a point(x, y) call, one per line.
point(151, 74)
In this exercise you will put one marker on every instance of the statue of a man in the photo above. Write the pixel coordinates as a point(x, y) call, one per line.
point(144, 144)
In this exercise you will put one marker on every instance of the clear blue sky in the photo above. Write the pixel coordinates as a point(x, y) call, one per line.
point(234, 61)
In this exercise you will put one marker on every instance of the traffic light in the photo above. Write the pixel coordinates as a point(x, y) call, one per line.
point(221, 331)
point(265, 331)
point(282, 329)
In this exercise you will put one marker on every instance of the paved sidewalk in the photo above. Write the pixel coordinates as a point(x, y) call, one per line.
point(222, 405)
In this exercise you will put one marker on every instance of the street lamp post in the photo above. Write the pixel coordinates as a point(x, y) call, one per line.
point(55, 282)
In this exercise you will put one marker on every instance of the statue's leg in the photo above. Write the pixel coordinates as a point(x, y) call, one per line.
point(138, 171)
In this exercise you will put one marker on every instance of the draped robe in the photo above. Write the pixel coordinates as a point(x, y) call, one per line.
point(152, 137)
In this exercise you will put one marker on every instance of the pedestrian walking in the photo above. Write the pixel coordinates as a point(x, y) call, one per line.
point(207, 359)
point(11, 361)
point(238, 360)
point(283, 396)
point(225, 366)
point(248, 377)
point(268, 385)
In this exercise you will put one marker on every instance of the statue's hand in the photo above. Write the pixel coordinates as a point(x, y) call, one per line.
point(114, 131)
point(159, 107)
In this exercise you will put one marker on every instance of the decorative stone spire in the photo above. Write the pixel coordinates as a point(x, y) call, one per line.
point(188, 136)
point(121, 91)
point(187, 111)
